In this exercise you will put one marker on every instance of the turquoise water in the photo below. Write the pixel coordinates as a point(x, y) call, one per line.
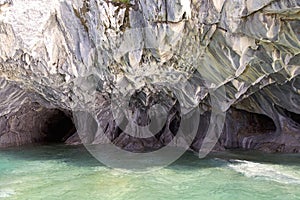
point(64, 172)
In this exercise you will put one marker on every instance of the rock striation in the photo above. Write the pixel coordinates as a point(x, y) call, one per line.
point(88, 55)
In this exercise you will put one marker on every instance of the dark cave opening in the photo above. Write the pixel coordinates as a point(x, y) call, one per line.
point(287, 113)
point(293, 116)
point(58, 127)
point(260, 123)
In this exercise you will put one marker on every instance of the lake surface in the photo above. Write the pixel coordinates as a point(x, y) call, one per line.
point(70, 172)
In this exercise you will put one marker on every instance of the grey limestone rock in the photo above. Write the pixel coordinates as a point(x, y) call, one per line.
point(84, 54)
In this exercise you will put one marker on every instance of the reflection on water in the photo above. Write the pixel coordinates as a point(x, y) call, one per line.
point(66, 172)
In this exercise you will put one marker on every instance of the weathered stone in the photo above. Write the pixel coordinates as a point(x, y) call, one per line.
point(76, 55)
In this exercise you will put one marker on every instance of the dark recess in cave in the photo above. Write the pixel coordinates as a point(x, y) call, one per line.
point(58, 128)
point(293, 116)
point(260, 123)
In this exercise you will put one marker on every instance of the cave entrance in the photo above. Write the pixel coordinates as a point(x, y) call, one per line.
point(58, 127)
point(260, 123)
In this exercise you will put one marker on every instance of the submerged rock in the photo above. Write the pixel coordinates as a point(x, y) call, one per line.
point(100, 56)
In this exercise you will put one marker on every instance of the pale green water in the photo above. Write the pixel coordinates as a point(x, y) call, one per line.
point(59, 172)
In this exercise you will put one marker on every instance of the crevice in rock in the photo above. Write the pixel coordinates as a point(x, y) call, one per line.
point(58, 127)
point(293, 116)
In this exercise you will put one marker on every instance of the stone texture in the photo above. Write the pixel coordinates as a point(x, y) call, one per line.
point(83, 55)
point(34, 124)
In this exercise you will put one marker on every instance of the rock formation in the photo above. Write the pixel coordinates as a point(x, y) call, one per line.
point(93, 55)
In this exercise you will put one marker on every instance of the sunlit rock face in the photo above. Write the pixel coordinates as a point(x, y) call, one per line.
point(90, 55)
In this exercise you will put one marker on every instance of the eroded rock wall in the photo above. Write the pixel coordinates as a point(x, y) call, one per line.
point(77, 55)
